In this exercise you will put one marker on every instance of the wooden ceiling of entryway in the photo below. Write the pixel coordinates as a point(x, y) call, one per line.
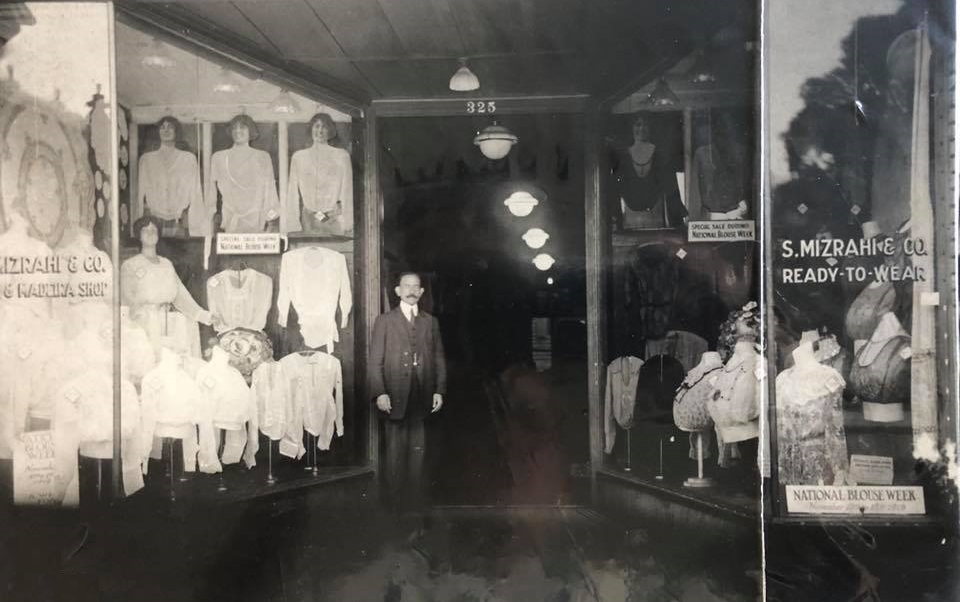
point(392, 49)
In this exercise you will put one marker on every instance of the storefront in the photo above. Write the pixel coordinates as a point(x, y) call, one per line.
point(660, 312)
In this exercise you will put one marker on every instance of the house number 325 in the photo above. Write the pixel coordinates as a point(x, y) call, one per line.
point(481, 106)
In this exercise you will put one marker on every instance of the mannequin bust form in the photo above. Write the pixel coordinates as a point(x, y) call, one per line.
point(880, 375)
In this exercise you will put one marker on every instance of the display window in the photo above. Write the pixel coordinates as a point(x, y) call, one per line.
point(58, 439)
point(862, 254)
point(684, 365)
point(245, 312)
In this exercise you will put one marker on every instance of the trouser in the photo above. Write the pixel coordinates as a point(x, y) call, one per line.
point(404, 463)
point(404, 454)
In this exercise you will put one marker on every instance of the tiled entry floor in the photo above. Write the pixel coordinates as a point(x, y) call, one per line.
point(287, 552)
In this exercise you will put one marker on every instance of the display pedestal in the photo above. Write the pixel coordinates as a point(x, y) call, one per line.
point(699, 480)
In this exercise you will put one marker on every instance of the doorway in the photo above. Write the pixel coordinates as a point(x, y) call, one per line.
point(514, 425)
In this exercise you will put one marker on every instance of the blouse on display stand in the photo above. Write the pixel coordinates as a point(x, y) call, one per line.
point(245, 179)
point(880, 374)
point(810, 430)
point(321, 176)
point(169, 182)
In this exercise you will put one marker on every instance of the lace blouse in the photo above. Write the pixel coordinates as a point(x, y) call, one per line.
point(810, 433)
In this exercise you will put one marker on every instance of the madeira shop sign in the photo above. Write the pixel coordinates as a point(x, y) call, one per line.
point(855, 499)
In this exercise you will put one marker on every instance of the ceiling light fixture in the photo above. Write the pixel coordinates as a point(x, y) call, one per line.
point(661, 96)
point(544, 261)
point(284, 104)
point(535, 238)
point(226, 82)
point(157, 56)
point(464, 80)
point(521, 203)
point(495, 141)
point(702, 71)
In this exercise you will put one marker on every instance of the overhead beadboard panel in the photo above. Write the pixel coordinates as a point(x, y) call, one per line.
point(223, 15)
point(393, 49)
point(288, 29)
point(429, 31)
point(360, 27)
point(489, 26)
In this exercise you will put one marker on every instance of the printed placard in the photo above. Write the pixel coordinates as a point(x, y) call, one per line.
point(721, 231)
point(871, 470)
point(248, 243)
point(35, 480)
point(854, 500)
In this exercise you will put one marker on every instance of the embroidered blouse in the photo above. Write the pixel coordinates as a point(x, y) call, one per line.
point(690, 404)
point(810, 431)
point(241, 299)
point(620, 396)
point(169, 182)
point(320, 176)
point(245, 178)
point(313, 279)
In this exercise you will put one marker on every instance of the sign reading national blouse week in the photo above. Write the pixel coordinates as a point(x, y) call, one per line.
point(822, 260)
point(248, 243)
point(854, 499)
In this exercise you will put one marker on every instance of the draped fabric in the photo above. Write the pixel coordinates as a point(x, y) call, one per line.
point(923, 366)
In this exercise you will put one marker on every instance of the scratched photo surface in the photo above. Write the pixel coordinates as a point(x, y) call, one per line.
point(478, 300)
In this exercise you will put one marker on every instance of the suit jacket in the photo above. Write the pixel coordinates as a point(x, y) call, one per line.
point(391, 363)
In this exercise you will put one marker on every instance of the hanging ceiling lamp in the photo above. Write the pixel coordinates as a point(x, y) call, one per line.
point(464, 80)
point(661, 96)
point(521, 203)
point(544, 261)
point(702, 71)
point(157, 56)
point(535, 238)
point(495, 141)
point(226, 82)
point(284, 104)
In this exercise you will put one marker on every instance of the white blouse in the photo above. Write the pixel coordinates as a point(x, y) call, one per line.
point(320, 175)
point(245, 178)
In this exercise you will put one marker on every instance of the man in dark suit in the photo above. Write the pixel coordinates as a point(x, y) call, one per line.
point(408, 377)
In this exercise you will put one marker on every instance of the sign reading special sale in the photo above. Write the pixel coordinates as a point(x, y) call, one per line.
point(860, 500)
point(248, 243)
point(721, 231)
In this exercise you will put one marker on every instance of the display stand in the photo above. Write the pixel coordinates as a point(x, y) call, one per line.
point(221, 486)
point(699, 480)
point(270, 479)
point(169, 442)
point(627, 468)
point(659, 476)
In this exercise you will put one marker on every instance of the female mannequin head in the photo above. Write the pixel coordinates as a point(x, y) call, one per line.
point(147, 231)
point(641, 130)
point(169, 129)
point(243, 130)
point(322, 129)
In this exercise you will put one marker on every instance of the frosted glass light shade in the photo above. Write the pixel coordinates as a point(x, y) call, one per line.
point(495, 141)
point(521, 203)
point(535, 238)
point(464, 80)
point(544, 261)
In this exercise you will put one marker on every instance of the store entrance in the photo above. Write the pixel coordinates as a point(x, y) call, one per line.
point(514, 422)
